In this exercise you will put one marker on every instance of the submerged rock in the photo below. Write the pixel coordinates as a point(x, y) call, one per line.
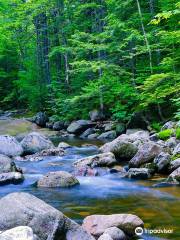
point(23, 209)
point(57, 179)
point(18, 233)
point(9, 146)
point(11, 178)
point(79, 126)
point(146, 153)
point(35, 142)
point(97, 224)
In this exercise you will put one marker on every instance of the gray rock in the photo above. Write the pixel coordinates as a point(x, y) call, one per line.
point(49, 125)
point(86, 133)
point(105, 236)
point(174, 165)
point(79, 126)
point(171, 143)
point(146, 153)
point(9, 146)
point(97, 224)
point(139, 173)
point(18, 233)
point(35, 142)
point(11, 178)
point(99, 160)
point(6, 164)
point(96, 115)
point(162, 162)
point(109, 126)
point(64, 145)
point(41, 119)
point(121, 147)
point(93, 136)
point(23, 209)
point(57, 126)
point(108, 135)
point(57, 179)
point(177, 150)
point(115, 233)
point(174, 177)
point(168, 125)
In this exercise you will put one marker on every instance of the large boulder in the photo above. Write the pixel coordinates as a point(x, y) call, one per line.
point(96, 115)
point(139, 173)
point(97, 224)
point(18, 233)
point(162, 162)
point(121, 147)
point(105, 236)
point(11, 178)
point(35, 142)
point(41, 119)
point(23, 209)
point(174, 164)
point(79, 126)
point(86, 133)
point(9, 146)
point(146, 153)
point(57, 179)
point(6, 164)
point(174, 177)
point(107, 135)
point(99, 160)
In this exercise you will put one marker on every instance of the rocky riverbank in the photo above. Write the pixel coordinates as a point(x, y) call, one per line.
point(136, 154)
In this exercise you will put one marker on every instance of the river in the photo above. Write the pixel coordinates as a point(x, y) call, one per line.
point(108, 194)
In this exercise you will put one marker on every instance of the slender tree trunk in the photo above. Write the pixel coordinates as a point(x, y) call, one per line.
point(145, 36)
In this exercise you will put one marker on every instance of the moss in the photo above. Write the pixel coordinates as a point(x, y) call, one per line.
point(165, 134)
point(178, 133)
point(175, 157)
point(156, 126)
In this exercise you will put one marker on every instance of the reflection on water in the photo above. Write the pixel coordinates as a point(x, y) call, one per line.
point(102, 195)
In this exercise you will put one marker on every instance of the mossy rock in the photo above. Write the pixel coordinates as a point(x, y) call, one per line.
point(166, 134)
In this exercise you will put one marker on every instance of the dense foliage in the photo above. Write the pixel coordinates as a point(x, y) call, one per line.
point(69, 57)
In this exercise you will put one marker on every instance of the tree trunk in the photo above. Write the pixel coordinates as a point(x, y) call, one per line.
point(145, 36)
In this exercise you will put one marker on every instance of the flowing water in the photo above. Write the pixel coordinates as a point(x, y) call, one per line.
point(109, 194)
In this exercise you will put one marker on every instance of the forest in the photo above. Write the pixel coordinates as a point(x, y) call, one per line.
point(67, 57)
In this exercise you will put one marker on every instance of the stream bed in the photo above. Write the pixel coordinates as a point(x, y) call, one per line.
point(109, 194)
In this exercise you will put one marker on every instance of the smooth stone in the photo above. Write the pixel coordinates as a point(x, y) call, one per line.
point(97, 224)
point(108, 135)
point(139, 173)
point(174, 164)
point(105, 237)
point(146, 153)
point(63, 145)
point(18, 233)
point(35, 142)
point(99, 160)
point(41, 119)
point(24, 209)
point(86, 133)
point(174, 177)
point(57, 179)
point(9, 146)
point(11, 178)
point(162, 162)
point(77, 127)
point(115, 233)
